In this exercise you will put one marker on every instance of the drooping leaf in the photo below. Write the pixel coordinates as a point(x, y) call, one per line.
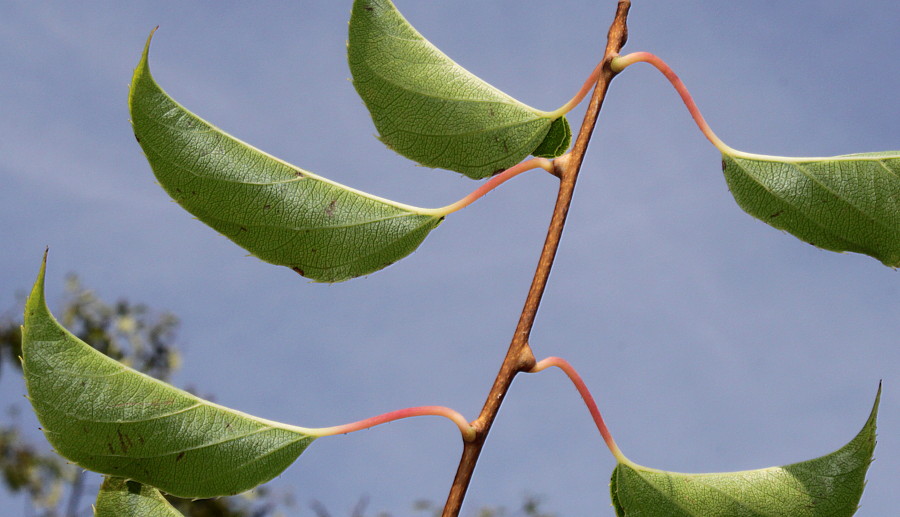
point(121, 498)
point(280, 213)
point(844, 203)
point(112, 419)
point(830, 486)
point(430, 109)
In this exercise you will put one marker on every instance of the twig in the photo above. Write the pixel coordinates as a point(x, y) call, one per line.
point(519, 357)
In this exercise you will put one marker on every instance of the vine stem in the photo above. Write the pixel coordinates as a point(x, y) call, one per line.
point(622, 62)
point(585, 393)
point(468, 432)
point(519, 357)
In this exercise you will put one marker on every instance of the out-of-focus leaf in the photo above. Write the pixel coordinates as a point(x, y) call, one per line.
point(843, 203)
point(112, 419)
point(430, 109)
point(26, 469)
point(10, 343)
point(121, 498)
point(830, 486)
point(280, 213)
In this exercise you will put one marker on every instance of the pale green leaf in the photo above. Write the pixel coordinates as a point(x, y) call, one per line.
point(121, 498)
point(112, 419)
point(430, 109)
point(278, 212)
point(843, 203)
point(830, 486)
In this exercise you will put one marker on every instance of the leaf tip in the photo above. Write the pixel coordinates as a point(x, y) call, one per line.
point(146, 52)
point(37, 291)
point(874, 414)
point(142, 68)
point(35, 305)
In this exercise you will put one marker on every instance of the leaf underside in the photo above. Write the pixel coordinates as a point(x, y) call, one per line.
point(431, 110)
point(844, 203)
point(828, 486)
point(112, 419)
point(121, 498)
point(279, 213)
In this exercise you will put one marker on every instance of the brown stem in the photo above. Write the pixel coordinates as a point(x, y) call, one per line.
point(519, 358)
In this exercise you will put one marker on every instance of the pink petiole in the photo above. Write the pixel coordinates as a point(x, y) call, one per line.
point(468, 432)
point(582, 93)
point(582, 388)
point(489, 185)
point(622, 62)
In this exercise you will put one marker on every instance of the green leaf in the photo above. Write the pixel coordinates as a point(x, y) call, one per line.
point(429, 109)
point(828, 486)
point(121, 498)
point(557, 141)
point(844, 203)
point(112, 419)
point(280, 213)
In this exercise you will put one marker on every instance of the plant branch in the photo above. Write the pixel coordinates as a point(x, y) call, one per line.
point(519, 357)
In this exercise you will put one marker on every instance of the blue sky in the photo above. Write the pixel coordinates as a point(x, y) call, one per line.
point(711, 341)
